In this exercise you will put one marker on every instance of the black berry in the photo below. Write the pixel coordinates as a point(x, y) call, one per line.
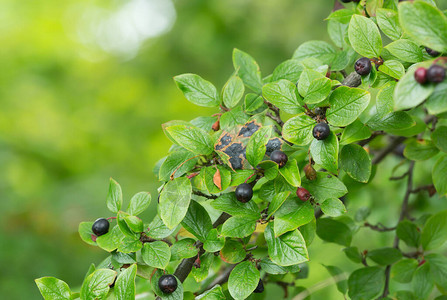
point(421, 75)
point(321, 131)
point(345, 1)
point(303, 194)
point(100, 227)
point(279, 157)
point(432, 52)
point(167, 284)
point(260, 287)
point(363, 66)
point(435, 74)
point(244, 192)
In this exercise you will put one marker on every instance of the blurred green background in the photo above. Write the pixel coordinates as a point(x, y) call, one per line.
point(84, 88)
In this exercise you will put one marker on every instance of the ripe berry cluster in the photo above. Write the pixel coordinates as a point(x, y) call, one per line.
point(435, 74)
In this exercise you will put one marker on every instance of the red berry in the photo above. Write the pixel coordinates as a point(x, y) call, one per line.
point(421, 75)
point(303, 194)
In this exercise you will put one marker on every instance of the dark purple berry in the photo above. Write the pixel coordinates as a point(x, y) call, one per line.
point(345, 1)
point(260, 287)
point(321, 111)
point(303, 194)
point(363, 66)
point(321, 131)
point(421, 75)
point(432, 52)
point(167, 284)
point(279, 157)
point(100, 227)
point(435, 74)
point(244, 192)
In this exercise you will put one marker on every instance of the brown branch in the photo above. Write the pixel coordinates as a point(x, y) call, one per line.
point(387, 150)
point(379, 227)
point(403, 214)
point(430, 188)
point(146, 239)
point(372, 137)
point(199, 193)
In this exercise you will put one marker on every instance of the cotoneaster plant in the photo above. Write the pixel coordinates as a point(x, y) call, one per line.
point(244, 192)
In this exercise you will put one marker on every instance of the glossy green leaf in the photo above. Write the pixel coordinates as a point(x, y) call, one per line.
point(139, 203)
point(385, 256)
point(215, 293)
point(438, 269)
point(97, 284)
point(436, 103)
point(192, 138)
point(298, 130)
point(243, 280)
point(125, 284)
point(438, 175)
point(255, 150)
point(366, 283)
point(290, 70)
point(53, 288)
point(197, 90)
point(111, 240)
point(288, 249)
point(356, 162)
point(291, 173)
point(291, 215)
point(315, 49)
point(422, 282)
point(156, 254)
point(409, 233)
point(405, 50)
point(233, 91)
point(318, 90)
point(228, 203)
point(434, 233)
point(213, 241)
point(403, 270)
point(179, 162)
point(393, 68)
point(184, 248)
point(439, 138)
point(174, 201)
point(420, 149)
point(333, 207)
point(277, 201)
point(158, 230)
point(233, 252)
point(334, 231)
point(238, 227)
point(388, 21)
point(135, 224)
point(197, 221)
point(325, 186)
point(354, 132)
point(130, 244)
point(346, 105)
point(284, 95)
point(248, 70)
point(114, 197)
point(85, 232)
point(325, 152)
point(365, 36)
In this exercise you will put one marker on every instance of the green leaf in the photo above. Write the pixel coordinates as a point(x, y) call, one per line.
point(409, 233)
point(130, 244)
point(385, 256)
point(234, 116)
point(277, 201)
point(403, 270)
point(409, 93)
point(366, 283)
point(233, 252)
point(436, 103)
point(213, 242)
point(420, 149)
point(325, 187)
point(439, 138)
point(405, 295)
point(372, 6)
point(248, 70)
point(298, 130)
point(184, 249)
point(353, 254)
point(315, 49)
point(233, 91)
point(97, 284)
point(337, 273)
point(85, 232)
point(405, 50)
point(197, 221)
point(174, 201)
point(228, 203)
point(346, 105)
point(192, 138)
point(393, 68)
point(291, 173)
point(120, 219)
point(225, 178)
point(290, 70)
point(425, 24)
point(243, 280)
point(333, 207)
point(306, 78)
point(114, 197)
point(438, 175)
point(288, 249)
point(355, 161)
point(354, 132)
point(215, 293)
point(179, 161)
point(254, 102)
point(325, 152)
point(156, 254)
point(422, 282)
point(206, 260)
point(342, 15)
point(434, 233)
point(438, 269)
point(388, 21)
point(197, 90)
point(238, 227)
point(53, 288)
point(393, 121)
point(291, 215)
point(255, 150)
point(158, 230)
point(364, 36)
point(284, 95)
point(270, 267)
point(318, 90)
point(334, 231)
point(125, 284)
point(139, 203)
point(338, 32)
point(134, 223)
point(111, 240)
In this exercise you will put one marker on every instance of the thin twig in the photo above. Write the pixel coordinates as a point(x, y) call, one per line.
point(173, 173)
point(387, 150)
point(199, 193)
point(379, 227)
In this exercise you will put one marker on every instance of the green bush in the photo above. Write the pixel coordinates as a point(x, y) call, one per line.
point(244, 192)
